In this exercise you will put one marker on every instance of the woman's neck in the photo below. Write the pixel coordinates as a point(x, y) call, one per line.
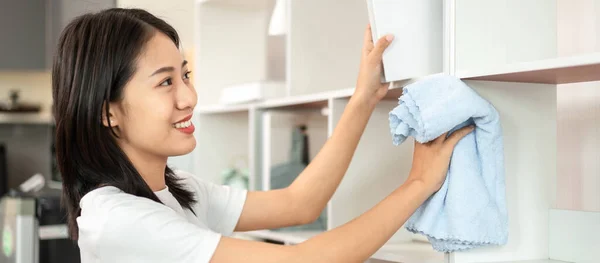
point(150, 167)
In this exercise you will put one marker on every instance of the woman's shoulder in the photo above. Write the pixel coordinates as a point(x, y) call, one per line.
point(195, 183)
point(107, 204)
point(114, 223)
point(108, 198)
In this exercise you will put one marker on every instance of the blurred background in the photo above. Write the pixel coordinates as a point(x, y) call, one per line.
point(29, 31)
point(268, 99)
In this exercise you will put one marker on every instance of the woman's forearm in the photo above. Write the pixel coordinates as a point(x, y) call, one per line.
point(354, 241)
point(316, 184)
point(360, 238)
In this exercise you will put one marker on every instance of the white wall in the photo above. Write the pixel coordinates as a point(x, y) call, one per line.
point(179, 14)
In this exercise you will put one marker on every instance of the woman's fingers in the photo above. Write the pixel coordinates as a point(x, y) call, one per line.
point(455, 137)
point(377, 52)
point(441, 138)
point(368, 41)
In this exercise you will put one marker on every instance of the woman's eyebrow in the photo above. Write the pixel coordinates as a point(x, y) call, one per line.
point(168, 69)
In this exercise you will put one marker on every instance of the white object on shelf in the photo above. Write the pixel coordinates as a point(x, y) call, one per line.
point(252, 91)
point(53, 232)
point(418, 29)
point(33, 184)
point(278, 23)
point(575, 236)
point(409, 252)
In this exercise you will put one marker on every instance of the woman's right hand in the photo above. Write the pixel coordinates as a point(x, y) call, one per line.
point(431, 160)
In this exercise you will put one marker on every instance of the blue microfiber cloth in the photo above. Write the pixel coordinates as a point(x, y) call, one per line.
point(469, 210)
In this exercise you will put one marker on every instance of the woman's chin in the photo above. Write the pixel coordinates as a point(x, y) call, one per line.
point(183, 148)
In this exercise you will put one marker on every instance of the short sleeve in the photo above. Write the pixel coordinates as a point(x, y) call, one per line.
point(220, 205)
point(133, 229)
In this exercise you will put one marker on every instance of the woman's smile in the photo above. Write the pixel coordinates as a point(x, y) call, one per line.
point(185, 125)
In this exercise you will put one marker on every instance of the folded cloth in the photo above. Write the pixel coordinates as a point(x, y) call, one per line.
point(469, 210)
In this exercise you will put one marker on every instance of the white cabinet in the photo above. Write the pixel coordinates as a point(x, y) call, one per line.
point(515, 53)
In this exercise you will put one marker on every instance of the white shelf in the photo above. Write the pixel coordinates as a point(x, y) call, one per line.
point(409, 252)
point(26, 118)
point(285, 237)
point(222, 108)
point(316, 100)
point(535, 261)
point(550, 71)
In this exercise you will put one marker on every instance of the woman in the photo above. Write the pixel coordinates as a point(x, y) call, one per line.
point(123, 103)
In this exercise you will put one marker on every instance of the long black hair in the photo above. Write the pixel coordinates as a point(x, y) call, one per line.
point(96, 57)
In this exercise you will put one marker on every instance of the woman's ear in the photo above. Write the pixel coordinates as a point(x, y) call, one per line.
point(110, 118)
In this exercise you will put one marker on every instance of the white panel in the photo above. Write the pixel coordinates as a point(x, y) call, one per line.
point(578, 164)
point(222, 142)
point(266, 151)
point(231, 48)
point(371, 177)
point(578, 27)
point(25, 249)
point(575, 236)
point(325, 43)
point(417, 24)
point(528, 118)
point(490, 33)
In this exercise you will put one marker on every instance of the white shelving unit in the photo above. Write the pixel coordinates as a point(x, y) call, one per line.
point(515, 53)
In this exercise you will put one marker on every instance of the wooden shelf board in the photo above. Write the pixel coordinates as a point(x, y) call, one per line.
point(550, 71)
point(26, 118)
point(409, 252)
point(285, 237)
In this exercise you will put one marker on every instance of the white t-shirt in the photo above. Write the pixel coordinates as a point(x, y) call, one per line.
point(118, 227)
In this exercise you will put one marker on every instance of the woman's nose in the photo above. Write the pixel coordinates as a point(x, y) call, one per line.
point(185, 96)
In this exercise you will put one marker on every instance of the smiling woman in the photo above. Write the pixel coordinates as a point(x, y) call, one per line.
point(123, 104)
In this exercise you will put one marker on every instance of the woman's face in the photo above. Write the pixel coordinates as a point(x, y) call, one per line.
point(154, 115)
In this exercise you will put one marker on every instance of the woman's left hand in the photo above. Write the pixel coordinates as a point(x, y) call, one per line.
point(369, 86)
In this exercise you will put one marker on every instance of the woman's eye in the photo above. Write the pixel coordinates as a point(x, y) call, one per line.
point(167, 82)
point(187, 75)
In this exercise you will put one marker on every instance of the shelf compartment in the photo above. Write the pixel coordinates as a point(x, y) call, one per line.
point(355, 194)
point(223, 61)
point(222, 142)
point(290, 140)
point(529, 140)
point(527, 41)
point(324, 50)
